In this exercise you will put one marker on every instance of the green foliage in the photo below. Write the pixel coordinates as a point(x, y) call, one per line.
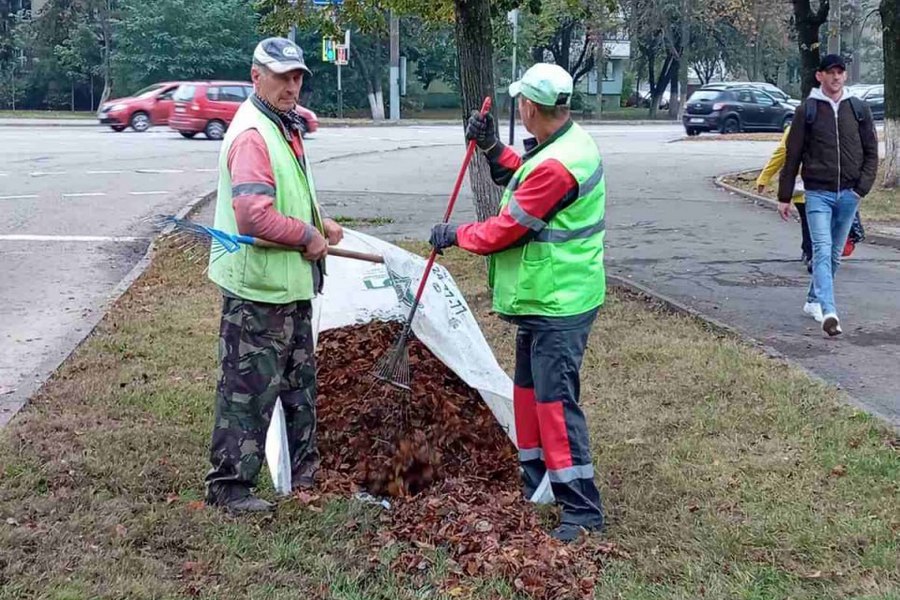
point(161, 40)
point(432, 47)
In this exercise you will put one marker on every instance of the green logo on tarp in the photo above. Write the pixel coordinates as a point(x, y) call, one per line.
point(377, 282)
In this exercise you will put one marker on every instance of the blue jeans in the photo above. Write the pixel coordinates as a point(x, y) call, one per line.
point(830, 217)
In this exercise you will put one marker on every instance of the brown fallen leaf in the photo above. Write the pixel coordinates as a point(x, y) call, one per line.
point(196, 505)
point(121, 530)
point(812, 575)
point(839, 471)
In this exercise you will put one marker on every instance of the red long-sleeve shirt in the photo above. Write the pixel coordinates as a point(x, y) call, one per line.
point(544, 192)
point(253, 192)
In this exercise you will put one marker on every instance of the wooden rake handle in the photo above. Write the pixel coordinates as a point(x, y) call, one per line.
point(332, 251)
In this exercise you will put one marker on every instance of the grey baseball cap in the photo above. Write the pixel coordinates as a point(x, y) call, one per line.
point(280, 55)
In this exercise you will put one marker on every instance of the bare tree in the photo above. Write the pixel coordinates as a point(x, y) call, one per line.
point(890, 21)
point(808, 23)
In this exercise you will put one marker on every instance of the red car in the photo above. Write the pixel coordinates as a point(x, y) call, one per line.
point(209, 106)
point(149, 106)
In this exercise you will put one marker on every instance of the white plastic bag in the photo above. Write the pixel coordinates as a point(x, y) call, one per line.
point(278, 455)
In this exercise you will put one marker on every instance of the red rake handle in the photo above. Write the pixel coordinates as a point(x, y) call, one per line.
point(470, 151)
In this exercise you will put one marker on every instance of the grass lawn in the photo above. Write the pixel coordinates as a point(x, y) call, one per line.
point(45, 114)
point(881, 204)
point(715, 136)
point(725, 474)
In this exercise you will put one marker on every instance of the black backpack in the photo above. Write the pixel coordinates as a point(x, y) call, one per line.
point(857, 104)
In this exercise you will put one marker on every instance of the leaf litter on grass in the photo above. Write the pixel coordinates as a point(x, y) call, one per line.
point(448, 465)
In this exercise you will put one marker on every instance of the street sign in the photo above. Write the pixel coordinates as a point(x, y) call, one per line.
point(343, 54)
point(329, 50)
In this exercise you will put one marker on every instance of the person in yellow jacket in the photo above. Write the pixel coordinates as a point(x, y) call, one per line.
point(775, 164)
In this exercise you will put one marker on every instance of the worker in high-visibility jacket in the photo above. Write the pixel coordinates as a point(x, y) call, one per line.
point(547, 275)
point(266, 349)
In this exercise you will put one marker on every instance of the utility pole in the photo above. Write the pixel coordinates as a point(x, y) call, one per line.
point(395, 67)
point(600, 56)
point(834, 27)
point(514, 19)
point(292, 34)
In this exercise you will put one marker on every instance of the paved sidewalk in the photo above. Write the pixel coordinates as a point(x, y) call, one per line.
point(720, 255)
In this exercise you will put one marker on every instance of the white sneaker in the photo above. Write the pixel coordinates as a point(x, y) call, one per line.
point(832, 325)
point(814, 309)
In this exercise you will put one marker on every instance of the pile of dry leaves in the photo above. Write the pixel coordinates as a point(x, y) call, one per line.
point(447, 462)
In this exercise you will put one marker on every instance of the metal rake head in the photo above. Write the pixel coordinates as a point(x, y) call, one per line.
point(393, 367)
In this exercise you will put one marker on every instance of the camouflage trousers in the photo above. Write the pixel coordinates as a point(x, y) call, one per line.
point(265, 352)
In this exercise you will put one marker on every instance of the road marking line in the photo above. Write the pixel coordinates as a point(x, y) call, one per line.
point(67, 238)
point(148, 193)
point(154, 171)
point(22, 197)
point(206, 170)
point(104, 172)
point(84, 194)
point(46, 173)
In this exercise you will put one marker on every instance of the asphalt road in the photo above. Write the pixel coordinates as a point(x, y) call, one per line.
point(670, 230)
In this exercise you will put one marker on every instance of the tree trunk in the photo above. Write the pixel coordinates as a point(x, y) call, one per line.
point(659, 86)
point(372, 76)
point(106, 28)
point(684, 63)
point(673, 90)
point(377, 72)
point(808, 24)
point(474, 44)
point(71, 96)
point(890, 22)
point(378, 110)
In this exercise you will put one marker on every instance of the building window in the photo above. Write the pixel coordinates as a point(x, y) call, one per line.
point(609, 73)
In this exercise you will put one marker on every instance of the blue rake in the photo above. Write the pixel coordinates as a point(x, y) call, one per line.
point(222, 242)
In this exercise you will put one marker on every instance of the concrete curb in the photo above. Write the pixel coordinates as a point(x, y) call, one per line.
point(682, 309)
point(325, 123)
point(871, 238)
point(12, 403)
point(26, 122)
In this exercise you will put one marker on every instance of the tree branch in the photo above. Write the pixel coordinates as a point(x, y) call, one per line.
point(822, 14)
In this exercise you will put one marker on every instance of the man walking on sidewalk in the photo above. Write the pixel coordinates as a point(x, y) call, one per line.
point(265, 340)
point(839, 154)
point(547, 274)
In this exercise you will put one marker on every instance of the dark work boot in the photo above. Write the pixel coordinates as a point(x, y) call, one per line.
point(304, 483)
point(248, 505)
point(303, 478)
point(236, 499)
point(568, 533)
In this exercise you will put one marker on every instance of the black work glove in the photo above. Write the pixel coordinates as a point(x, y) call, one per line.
point(443, 235)
point(482, 130)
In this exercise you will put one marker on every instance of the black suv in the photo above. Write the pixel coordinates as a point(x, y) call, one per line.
point(874, 97)
point(734, 110)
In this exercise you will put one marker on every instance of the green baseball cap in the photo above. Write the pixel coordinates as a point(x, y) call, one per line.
point(546, 84)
